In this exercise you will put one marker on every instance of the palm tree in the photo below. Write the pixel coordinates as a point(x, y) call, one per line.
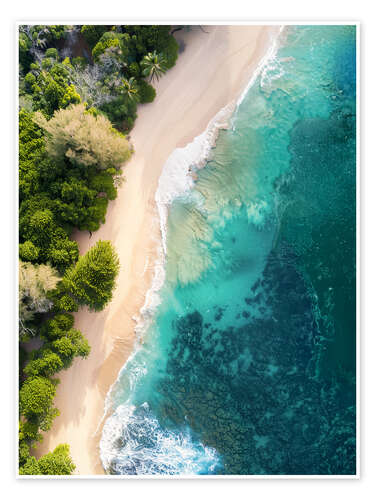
point(130, 89)
point(154, 65)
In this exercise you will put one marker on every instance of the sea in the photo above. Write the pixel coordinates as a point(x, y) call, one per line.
point(245, 361)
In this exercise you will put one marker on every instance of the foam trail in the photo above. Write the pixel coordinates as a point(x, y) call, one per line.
point(134, 443)
point(266, 59)
point(176, 181)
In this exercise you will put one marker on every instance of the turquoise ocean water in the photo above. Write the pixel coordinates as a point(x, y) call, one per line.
point(248, 365)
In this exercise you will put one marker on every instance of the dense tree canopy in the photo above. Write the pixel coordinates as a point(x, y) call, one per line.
point(34, 39)
point(46, 365)
point(49, 85)
point(79, 89)
point(53, 81)
point(55, 463)
point(36, 401)
point(62, 343)
point(43, 227)
point(93, 33)
point(62, 188)
point(151, 38)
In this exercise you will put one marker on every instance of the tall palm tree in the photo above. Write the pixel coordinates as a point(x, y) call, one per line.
point(154, 65)
point(130, 89)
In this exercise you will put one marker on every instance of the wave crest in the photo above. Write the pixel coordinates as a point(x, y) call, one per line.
point(134, 443)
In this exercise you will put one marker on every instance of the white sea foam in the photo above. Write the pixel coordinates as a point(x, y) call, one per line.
point(266, 60)
point(176, 178)
point(134, 443)
point(176, 181)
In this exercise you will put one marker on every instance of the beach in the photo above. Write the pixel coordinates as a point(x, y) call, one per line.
point(213, 69)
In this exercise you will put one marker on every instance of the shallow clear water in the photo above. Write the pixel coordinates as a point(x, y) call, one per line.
point(249, 364)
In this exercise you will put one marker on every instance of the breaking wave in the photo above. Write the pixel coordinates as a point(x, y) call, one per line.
point(134, 443)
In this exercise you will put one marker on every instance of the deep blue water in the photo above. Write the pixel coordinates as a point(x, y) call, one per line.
point(249, 364)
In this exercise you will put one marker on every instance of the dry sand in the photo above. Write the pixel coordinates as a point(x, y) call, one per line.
point(211, 71)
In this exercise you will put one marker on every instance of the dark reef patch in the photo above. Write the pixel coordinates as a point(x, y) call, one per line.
point(258, 401)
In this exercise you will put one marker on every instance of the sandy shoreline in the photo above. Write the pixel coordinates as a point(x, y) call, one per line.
point(213, 70)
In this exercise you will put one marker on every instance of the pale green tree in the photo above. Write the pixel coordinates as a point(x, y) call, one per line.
point(35, 281)
point(83, 138)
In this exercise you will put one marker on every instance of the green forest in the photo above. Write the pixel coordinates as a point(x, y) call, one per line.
point(79, 88)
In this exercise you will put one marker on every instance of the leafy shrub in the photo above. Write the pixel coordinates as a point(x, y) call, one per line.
point(57, 327)
point(36, 397)
point(48, 363)
point(134, 69)
point(66, 303)
point(52, 52)
point(147, 92)
point(171, 52)
point(28, 251)
point(109, 40)
point(55, 463)
point(92, 33)
point(92, 280)
point(79, 63)
point(47, 63)
point(71, 345)
point(30, 80)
